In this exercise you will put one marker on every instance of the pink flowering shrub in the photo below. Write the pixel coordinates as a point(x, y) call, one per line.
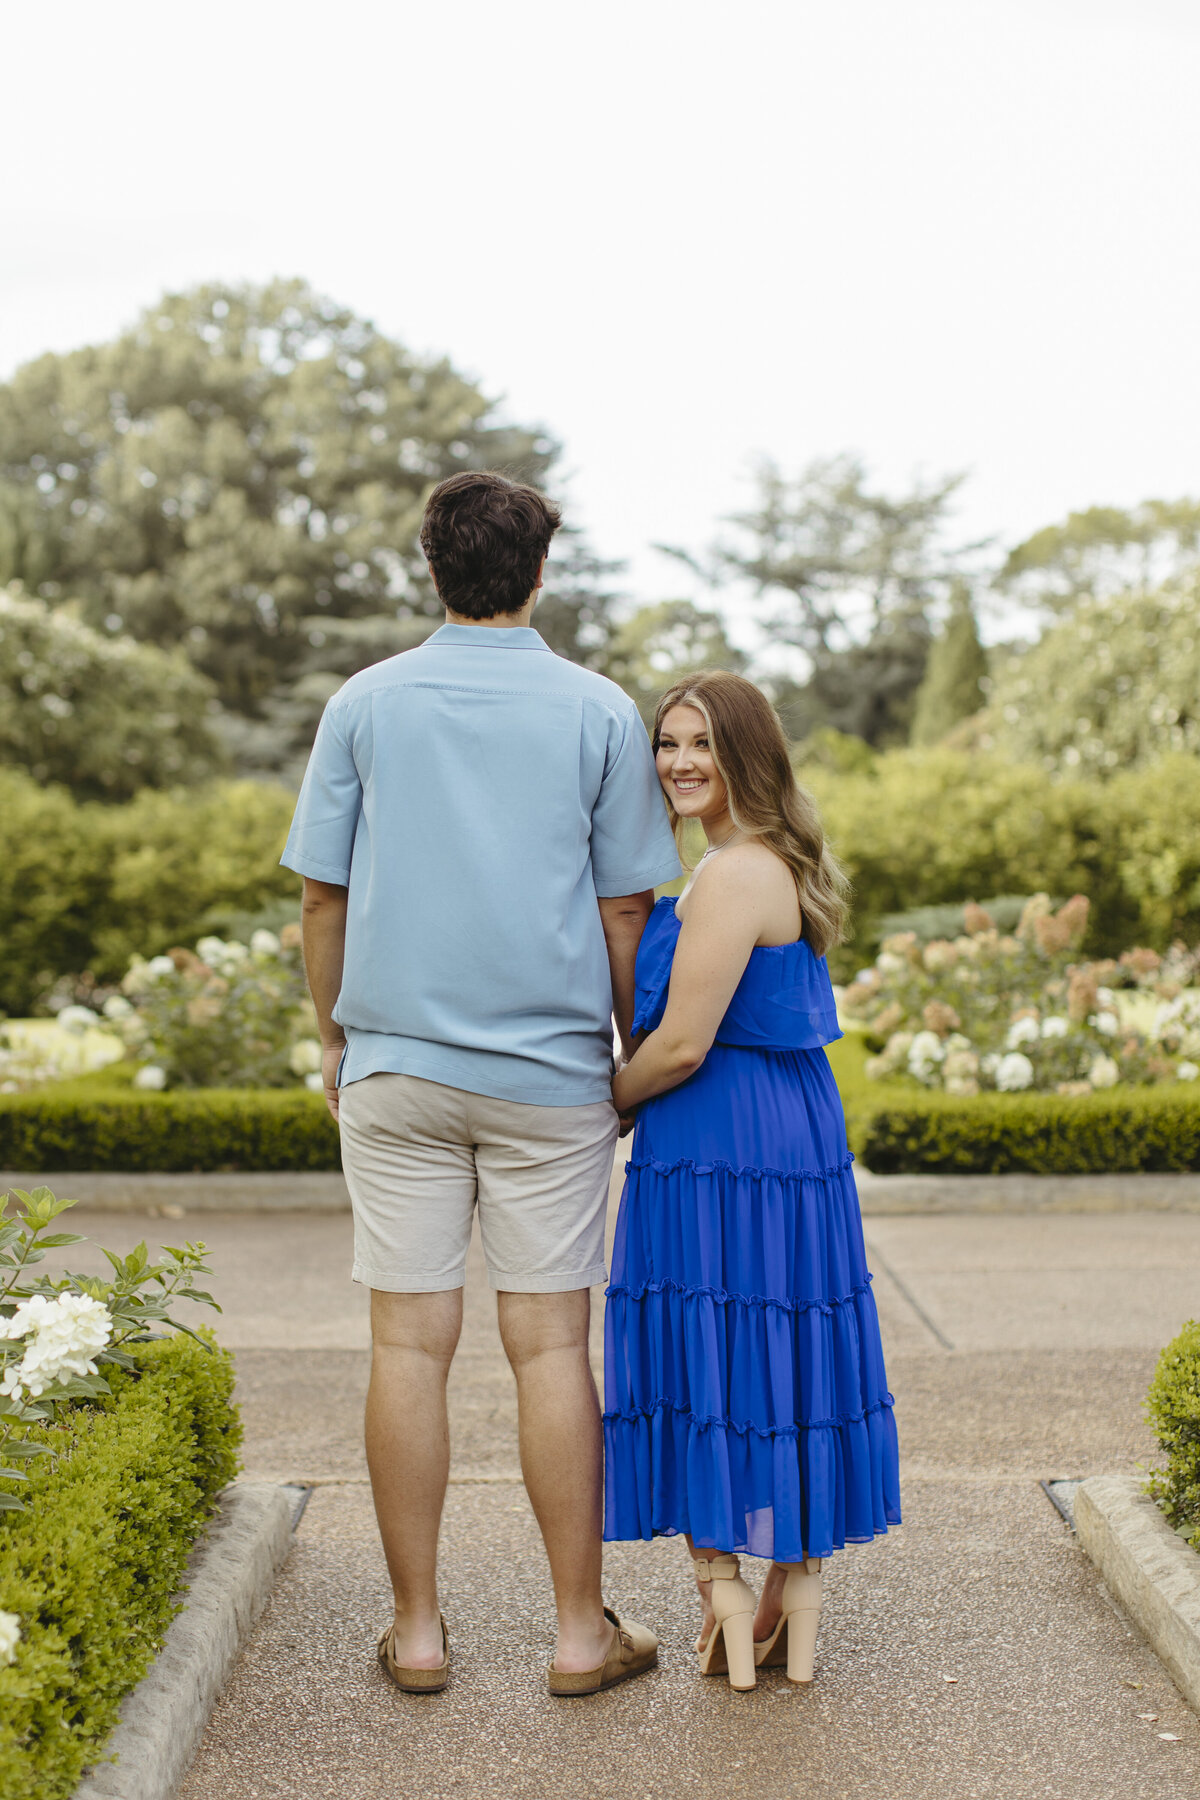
point(1021, 1012)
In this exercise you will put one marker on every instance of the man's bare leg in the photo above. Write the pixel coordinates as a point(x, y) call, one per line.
point(562, 1459)
point(408, 1453)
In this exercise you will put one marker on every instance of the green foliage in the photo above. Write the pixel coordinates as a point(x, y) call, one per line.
point(1173, 1409)
point(657, 644)
point(1115, 686)
point(928, 827)
point(858, 572)
point(86, 887)
point(1104, 551)
point(93, 1568)
point(951, 689)
point(241, 462)
point(120, 1311)
point(221, 1015)
point(91, 1124)
point(103, 714)
point(903, 1130)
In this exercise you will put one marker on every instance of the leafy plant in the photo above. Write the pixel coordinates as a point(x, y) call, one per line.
point(1022, 1011)
point(1173, 1409)
point(90, 1321)
point(222, 1015)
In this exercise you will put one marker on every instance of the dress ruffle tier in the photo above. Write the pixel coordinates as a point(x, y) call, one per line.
point(746, 1397)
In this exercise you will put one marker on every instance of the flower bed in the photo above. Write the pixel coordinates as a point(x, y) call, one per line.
point(100, 1123)
point(224, 1015)
point(1022, 1013)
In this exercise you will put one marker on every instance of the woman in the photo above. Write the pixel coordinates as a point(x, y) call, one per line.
point(746, 1400)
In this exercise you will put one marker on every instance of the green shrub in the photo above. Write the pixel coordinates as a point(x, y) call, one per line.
point(897, 1129)
point(1173, 1409)
point(93, 1124)
point(935, 827)
point(93, 1568)
point(88, 886)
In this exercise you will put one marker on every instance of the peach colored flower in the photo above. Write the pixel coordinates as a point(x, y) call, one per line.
point(976, 919)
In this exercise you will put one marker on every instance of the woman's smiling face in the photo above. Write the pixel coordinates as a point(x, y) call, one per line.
point(686, 768)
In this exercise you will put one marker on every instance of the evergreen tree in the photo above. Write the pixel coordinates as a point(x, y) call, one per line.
point(952, 687)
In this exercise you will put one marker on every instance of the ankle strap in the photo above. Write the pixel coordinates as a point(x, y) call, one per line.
point(716, 1568)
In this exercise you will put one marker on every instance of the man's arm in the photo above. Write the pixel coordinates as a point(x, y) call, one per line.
point(323, 923)
point(624, 920)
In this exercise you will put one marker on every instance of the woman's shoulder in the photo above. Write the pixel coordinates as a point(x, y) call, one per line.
point(751, 879)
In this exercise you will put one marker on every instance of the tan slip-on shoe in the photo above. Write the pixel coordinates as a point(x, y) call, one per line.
point(415, 1681)
point(634, 1650)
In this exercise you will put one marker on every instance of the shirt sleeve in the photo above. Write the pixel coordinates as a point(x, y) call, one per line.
point(633, 847)
point(321, 839)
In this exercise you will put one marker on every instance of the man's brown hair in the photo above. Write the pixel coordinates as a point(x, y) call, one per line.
point(485, 537)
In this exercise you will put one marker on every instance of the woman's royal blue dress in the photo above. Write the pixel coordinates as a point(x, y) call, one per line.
point(745, 1394)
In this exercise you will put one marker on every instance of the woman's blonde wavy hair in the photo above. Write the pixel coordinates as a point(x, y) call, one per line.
point(748, 746)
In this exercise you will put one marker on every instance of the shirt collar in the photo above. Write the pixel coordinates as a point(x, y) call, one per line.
point(490, 637)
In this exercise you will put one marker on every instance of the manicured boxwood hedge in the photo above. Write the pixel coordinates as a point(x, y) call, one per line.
point(93, 1568)
point(90, 1124)
point(895, 1129)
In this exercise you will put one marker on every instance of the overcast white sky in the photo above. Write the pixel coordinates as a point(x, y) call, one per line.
point(944, 233)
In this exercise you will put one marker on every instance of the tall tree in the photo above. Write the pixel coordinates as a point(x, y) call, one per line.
point(1104, 551)
point(952, 687)
point(655, 645)
point(851, 576)
point(240, 462)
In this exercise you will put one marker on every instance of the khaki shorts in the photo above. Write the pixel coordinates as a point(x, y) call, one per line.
point(417, 1156)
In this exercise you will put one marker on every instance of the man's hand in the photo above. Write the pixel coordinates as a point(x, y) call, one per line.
point(628, 1121)
point(331, 1056)
point(323, 924)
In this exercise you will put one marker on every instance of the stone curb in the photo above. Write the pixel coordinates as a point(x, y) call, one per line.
point(176, 1196)
point(230, 1574)
point(1148, 1568)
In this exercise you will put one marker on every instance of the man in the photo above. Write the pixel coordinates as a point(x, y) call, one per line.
point(479, 832)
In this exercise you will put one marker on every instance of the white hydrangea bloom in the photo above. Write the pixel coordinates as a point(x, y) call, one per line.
point(1014, 1072)
point(1106, 1022)
point(305, 1057)
point(1022, 1031)
point(61, 1335)
point(264, 943)
point(10, 1636)
point(117, 1007)
point(924, 1054)
point(1055, 1026)
point(315, 1081)
point(151, 1077)
point(76, 1019)
point(889, 964)
point(1187, 1071)
point(1104, 1072)
point(158, 966)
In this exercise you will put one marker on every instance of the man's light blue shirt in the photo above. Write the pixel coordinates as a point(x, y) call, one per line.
point(476, 795)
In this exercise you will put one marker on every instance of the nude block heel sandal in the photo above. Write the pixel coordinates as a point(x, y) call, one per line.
point(730, 1648)
point(794, 1639)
